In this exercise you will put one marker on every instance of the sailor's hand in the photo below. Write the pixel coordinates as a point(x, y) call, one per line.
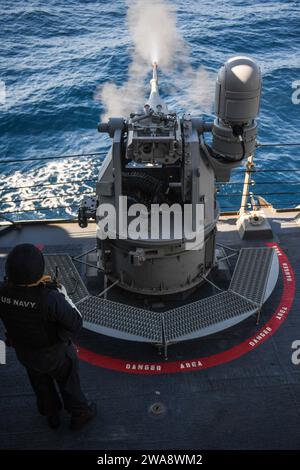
point(63, 291)
point(61, 288)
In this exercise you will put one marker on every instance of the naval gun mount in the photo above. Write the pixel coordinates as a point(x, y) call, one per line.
point(158, 158)
point(155, 159)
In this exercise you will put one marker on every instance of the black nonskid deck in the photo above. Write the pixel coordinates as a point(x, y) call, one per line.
point(251, 402)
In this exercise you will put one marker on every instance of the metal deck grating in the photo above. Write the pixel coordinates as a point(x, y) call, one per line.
point(125, 321)
point(251, 273)
point(206, 316)
point(68, 275)
point(210, 315)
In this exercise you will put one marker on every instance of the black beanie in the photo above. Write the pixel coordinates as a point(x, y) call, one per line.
point(25, 264)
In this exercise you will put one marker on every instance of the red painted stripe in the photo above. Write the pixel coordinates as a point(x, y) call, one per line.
point(269, 328)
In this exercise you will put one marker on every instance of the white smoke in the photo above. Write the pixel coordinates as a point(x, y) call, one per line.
point(125, 99)
point(152, 28)
point(198, 88)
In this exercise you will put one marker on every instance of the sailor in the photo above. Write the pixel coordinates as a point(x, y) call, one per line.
point(41, 322)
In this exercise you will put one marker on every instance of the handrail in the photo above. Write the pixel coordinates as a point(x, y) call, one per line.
point(246, 191)
point(57, 157)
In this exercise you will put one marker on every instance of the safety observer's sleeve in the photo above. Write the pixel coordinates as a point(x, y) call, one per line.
point(62, 311)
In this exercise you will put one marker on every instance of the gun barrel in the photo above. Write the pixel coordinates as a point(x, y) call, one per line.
point(155, 102)
point(154, 80)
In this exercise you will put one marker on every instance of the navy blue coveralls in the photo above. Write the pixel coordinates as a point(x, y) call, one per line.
point(40, 324)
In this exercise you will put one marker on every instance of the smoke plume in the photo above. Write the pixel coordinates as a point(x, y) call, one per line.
point(152, 28)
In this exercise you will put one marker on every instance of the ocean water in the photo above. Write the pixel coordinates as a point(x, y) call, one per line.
point(55, 54)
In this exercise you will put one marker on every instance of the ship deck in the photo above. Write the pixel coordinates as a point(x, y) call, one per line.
point(236, 389)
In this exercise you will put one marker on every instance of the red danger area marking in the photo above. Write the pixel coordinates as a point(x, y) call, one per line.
point(172, 367)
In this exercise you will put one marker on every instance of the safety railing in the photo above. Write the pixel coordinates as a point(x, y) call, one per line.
point(60, 199)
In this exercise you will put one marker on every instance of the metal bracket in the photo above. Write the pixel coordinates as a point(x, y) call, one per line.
point(87, 210)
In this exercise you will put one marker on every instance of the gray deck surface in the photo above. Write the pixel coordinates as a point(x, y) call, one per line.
point(250, 403)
